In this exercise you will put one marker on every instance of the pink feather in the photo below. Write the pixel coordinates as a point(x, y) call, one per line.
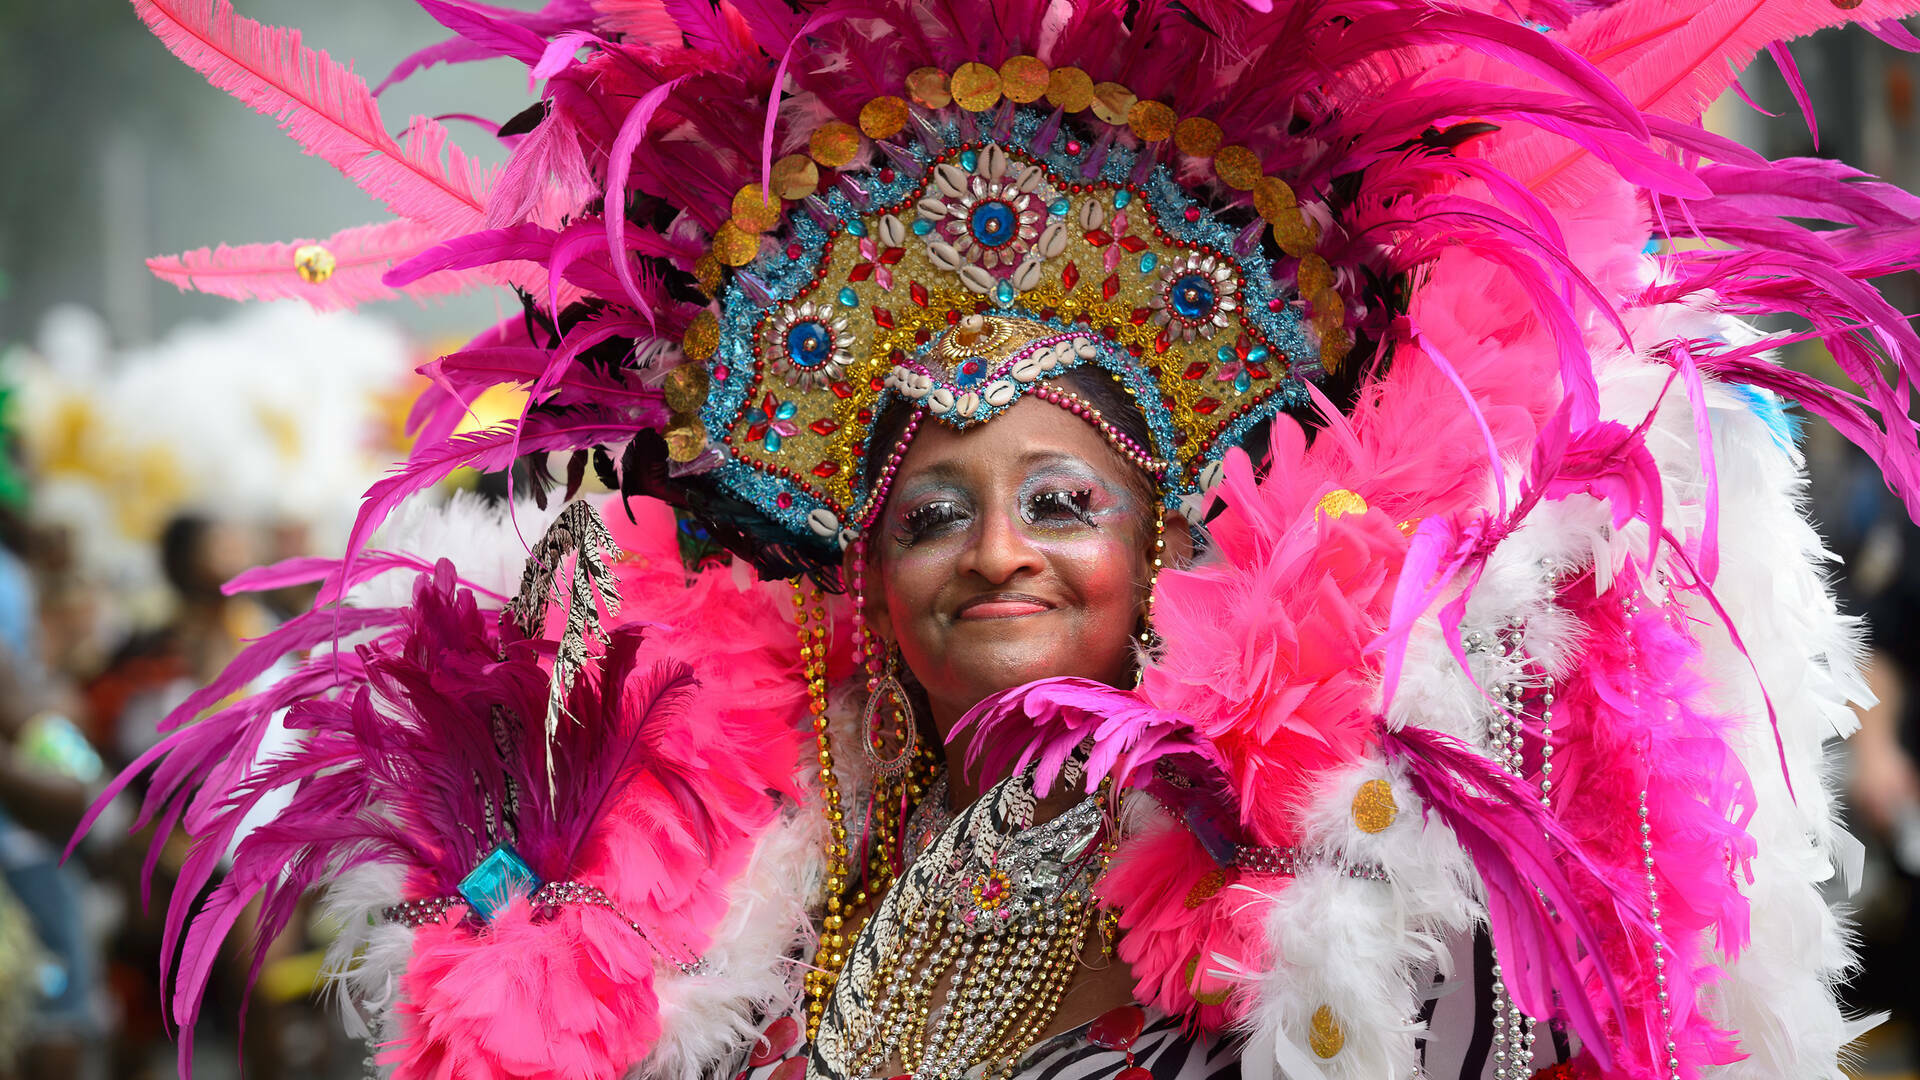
point(361, 255)
point(327, 110)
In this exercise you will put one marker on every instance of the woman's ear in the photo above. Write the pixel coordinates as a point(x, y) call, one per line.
point(1178, 534)
point(874, 598)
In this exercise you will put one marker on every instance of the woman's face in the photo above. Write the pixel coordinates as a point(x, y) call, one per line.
point(1013, 551)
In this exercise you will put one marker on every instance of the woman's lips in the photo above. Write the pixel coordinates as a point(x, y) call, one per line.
point(1002, 606)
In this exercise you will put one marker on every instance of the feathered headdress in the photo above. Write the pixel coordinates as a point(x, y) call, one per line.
point(1489, 253)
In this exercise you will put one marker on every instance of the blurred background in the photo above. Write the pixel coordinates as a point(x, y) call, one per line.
point(156, 443)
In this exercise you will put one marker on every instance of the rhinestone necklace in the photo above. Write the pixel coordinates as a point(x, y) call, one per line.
point(996, 906)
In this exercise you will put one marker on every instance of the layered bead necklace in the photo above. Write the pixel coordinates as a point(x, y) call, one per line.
point(997, 910)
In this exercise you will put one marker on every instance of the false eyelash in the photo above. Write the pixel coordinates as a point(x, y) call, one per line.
point(1076, 504)
point(922, 520)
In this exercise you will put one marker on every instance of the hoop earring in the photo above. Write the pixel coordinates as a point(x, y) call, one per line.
point(871, 735)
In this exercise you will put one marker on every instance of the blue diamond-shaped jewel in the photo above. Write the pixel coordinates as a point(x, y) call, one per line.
point(498, 877)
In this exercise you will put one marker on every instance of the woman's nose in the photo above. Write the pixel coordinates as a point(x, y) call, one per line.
point(1000, 549)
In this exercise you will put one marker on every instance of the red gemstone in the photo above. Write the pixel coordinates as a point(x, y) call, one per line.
point(841, 389)
point(754, 431)
point(775, 1041)
point(865, 416)
point(1134, 1072)
point(953, 318)
point(877, 383)
point(860, 272)
point(1193, 213)
point(1194, 370)
point(826, 469)
point(1070, 276)
point(1162, 343)
point(1098, 237)
point(883, 317)
point(783, 500)
point(1276, 305)
point(1206, 405)
point(1073, 146)
point(1136, 350)
point(1110, 287)
point(824, 426)
point(1117, 1028)
point(794, 251)
point(1140, 316)
point(1133, 244)
point(1257, 371)
point(887, 176)
point(893, 255)
point(918, 292)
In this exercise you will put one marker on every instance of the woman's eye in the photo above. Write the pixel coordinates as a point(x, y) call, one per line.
point(923, 521)
point(1060, 506)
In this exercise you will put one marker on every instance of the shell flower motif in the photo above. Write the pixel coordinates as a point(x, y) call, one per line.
point(807, 342)
point(1198, 296)
point(986, 210)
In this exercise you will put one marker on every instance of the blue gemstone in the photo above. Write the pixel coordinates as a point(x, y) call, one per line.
point(1242, 383)
point(1121, 198)
point(1003, 293)
point(1258, 354)
point(994, 224)
point(971, 373)
point(849, 298)
point(810, 343)
point(1224, 354)
point(1192, 296)
point(856, 227)
point(773, 441)
point(922, 227)
point(969, 158)
point(499, 876)
point(1059, 207)
point(1148, 262)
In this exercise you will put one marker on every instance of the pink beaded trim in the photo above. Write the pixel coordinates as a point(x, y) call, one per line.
point(1079, 407)
point(879, 497)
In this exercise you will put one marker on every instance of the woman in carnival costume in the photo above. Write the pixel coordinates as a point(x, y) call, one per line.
point(1274, 549)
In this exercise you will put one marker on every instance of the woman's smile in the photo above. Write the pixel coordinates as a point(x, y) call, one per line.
point(1001, 605)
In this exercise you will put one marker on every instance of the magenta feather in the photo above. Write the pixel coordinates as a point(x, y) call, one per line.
point(557, 17)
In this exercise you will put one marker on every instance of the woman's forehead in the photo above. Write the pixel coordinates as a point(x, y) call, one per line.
point(1031, 435)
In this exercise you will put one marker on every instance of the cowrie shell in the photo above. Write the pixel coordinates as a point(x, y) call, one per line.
point(951, 180)
point(1028, 369)
point(892, 232)
point(1000, 393)
point(993, 162)
point(822, 521)
point(1026, 275)
point(978, 279)
point(967, 404)
point(931, 208)
point(945, 256)
point(1092, 215)
point(1053, 241)
point(940, 400)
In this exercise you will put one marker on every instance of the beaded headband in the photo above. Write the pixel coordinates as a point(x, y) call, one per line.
point(991, 249)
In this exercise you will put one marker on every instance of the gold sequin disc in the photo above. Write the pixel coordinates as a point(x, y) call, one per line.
point(1198, 136)
point(834, 143)
point(1335, 343)
point(701, 339)
point(685, 387)
point(1373, 805)
point(1112, 102)
point(1273, 198)
point(1314, 276)
point(734, 246)
point(1151, 120)
point(1295, 234)
point(752, 211)
point(1070, 88)
point(1338, 503)
point(929, 87)
point(1325, 1035)
point(1237, 166)
point(1023, 79)
point(795, 176)
point(1204, 997)
point(686, 441)
point(883, 117)
point(706, 273)
point(313, 262)
point(1204, 889)
point(976, 87)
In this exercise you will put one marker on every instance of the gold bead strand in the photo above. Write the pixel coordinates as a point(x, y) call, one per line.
point(812, 632)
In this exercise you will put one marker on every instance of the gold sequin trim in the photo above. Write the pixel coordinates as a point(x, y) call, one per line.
point(753, 212)
point(702, 338)
point(1237, 166)
point(883, 117)
point(1274, 199)
point(976, 87)
point(734, 246)
point(1112, 102)
point(1198, 136)
point(834, 143)
point(929, 87)
point(1152, 121)
point(1338, 503)
point(1206, 888)
point(1070, 88)
point(1024, 79)
point(314, 263)
point(795, 176)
